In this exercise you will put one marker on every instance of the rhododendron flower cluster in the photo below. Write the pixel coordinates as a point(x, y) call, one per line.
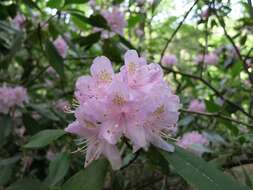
point(210, 59)
point(169, 60)
point(11, 97)
point(197, 106)
point(193, 141)
point(61, 46)
point(135, 103)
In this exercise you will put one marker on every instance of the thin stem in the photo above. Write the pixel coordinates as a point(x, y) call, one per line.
point(245, 67)
point(216, 115)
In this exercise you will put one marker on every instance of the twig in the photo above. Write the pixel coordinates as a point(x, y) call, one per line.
point(175, 31)
point(245, 67)
point(219, 94)
point(216, 115)
point(235, 164)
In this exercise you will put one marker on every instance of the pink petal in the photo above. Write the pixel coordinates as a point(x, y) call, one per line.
point(80, 130)
point(101, 69)
point(112, 153)
point(136, 134)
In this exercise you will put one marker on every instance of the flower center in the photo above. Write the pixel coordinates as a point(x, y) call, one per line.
point(118, 100)
point(105, 76)
point(131, 68)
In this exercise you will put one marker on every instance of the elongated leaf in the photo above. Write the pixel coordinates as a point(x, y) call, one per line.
point(58, 168)
point(91, 178)
point(88, 40)
point(5, 128)
point(28, 184)
point(5, 174)
point(55, 3)
point(44, 138)
point(54, 58)
point(93, 20)
point(197, 172)
point(75, 1)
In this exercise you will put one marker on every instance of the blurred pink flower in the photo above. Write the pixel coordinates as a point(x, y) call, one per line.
point(113, 105)
point(205, 13)
point(116, 21)
point(61, 46)
point(50, 154)
point(197, 106)
point(191, 140)
point(11, 97)
point(210, 59)
point(169, 60)
point(19, 21)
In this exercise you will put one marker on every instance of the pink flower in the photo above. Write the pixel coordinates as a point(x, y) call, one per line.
point(19, 21)
point(61, 46)
point(115, 19)
point(210, 59)
point(113, 105)
point(169, 60)
point(193, 141)
point(197, 106)
point(11, 97)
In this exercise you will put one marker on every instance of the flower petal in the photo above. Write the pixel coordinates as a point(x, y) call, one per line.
point(80, 130)
point(102, 70)
point(112, 153)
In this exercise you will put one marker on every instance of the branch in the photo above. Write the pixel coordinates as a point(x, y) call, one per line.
point(175, 31)
point(245, 67)
point(219, 94)
point(216, 115)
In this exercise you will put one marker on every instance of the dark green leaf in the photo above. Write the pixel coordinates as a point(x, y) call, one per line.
point(58, 168)
point(5, 128)
point(44, 138)
point(92, 178)
point(54, 58)
point(89, 40)
point(28, 184)
point(93, 20)
point(200, 174)
point(55, 3)
point(5, 174)
point(75, 1)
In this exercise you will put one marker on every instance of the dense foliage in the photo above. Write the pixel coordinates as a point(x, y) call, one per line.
point(202, 55)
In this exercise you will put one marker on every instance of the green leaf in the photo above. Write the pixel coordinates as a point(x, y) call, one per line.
point(55, 3)
point(92, 178)
point(5, 174)
point(135, 19)
point(75, 1)
point(200, 174)
point(89, 40)
point(28, 184)
point(5, 128)
point(55, 60)
point(94, 20)
point(126, 42)
point(44, 138)
point(58, 168)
